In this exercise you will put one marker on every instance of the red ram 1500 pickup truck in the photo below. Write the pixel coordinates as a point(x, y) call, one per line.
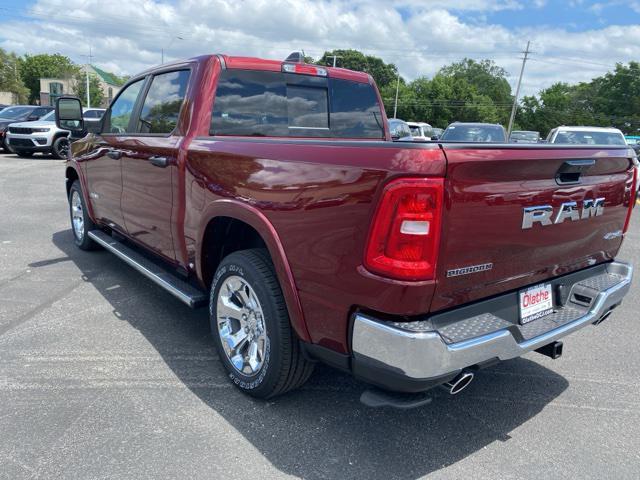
point(272, 192)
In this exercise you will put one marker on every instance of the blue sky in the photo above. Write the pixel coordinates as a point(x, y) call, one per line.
point(573, 40)
point(573, 16)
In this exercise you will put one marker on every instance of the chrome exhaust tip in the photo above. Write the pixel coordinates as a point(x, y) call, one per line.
point(603, 317)
point(459, 383)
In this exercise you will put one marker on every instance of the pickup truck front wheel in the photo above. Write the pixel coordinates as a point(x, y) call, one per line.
point(251, 328)
point(80, 221)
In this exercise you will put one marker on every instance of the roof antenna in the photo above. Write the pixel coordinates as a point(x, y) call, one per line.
point(295, 57)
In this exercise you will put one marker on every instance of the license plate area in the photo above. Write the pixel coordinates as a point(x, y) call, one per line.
point(535, 302)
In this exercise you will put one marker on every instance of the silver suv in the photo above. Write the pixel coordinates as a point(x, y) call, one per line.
point(27, 138)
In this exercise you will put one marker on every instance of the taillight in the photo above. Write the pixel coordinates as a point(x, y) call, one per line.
point(405, 234)
point(632, 198)
point(304, 69)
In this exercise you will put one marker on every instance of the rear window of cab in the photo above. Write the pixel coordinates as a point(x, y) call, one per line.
point(262, 103)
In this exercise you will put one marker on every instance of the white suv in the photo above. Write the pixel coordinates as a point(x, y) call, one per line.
point(586, 136)
point(420, 130)
point(27, 138)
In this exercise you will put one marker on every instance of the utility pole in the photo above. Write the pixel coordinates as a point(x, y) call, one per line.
point(395, 105)
point(335, 57)
point(515, 99)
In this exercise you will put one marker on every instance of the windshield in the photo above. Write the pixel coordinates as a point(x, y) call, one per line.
point(524, 136)
point(49, 117)
point(590, 138)
point(416, 131)
point(15, 112)
point(474, 133)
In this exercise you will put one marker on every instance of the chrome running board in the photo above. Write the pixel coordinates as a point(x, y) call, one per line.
point(180, 289)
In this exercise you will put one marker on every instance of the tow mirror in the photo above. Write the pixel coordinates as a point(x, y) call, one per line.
point(69, 115)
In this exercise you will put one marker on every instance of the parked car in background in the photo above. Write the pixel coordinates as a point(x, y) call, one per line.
point(436, 133)
point(524, 136)
point(586, 136)
point(634, 142)
point(19, 113)
point(43, 136)
point(474, 133)
point(400, 130)
point(92, 114)
point(420, 131)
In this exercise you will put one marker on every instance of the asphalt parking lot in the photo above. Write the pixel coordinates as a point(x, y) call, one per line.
point(103, 375)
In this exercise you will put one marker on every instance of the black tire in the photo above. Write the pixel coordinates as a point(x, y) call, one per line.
point(24, 154)
point(283, 367)
point(83, 241)
point(60, 147)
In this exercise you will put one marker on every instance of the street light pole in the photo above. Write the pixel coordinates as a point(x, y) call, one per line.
point(335, 57)
point(89, 58)
point(177, 37)
point(395, 105)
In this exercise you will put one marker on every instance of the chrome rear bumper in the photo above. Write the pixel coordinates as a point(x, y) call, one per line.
point(418, 352)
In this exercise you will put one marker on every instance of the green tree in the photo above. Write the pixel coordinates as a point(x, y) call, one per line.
point(96, 94)
point(610, 100)
point(441, 100)
point(10, 80)
point(35, 67)
point(383, 73)
point(488, 79)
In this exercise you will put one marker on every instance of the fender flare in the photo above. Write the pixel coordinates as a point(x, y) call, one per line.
point(259, 222)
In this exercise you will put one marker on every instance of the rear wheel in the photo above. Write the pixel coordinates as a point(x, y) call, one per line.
point(80, 221)
point(251, 327)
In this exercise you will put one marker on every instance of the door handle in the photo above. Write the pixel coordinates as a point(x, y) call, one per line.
point(115, 154)
point(161, 162)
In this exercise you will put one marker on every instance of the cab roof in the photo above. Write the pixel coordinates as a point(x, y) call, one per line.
point(253, 63)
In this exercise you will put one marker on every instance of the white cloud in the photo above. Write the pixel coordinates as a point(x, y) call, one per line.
point(419, 36)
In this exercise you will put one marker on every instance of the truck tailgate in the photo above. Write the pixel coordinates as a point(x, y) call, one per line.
point(484, 248)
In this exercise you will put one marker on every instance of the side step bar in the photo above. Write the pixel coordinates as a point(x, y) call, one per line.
point(171, 283)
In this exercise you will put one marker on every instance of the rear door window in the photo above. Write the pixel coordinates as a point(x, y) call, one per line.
point(259, 103)
point(163, 102)
point(119, 114)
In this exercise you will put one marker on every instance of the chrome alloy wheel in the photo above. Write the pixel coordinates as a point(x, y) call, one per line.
point(241, 325)
point(77, 217)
